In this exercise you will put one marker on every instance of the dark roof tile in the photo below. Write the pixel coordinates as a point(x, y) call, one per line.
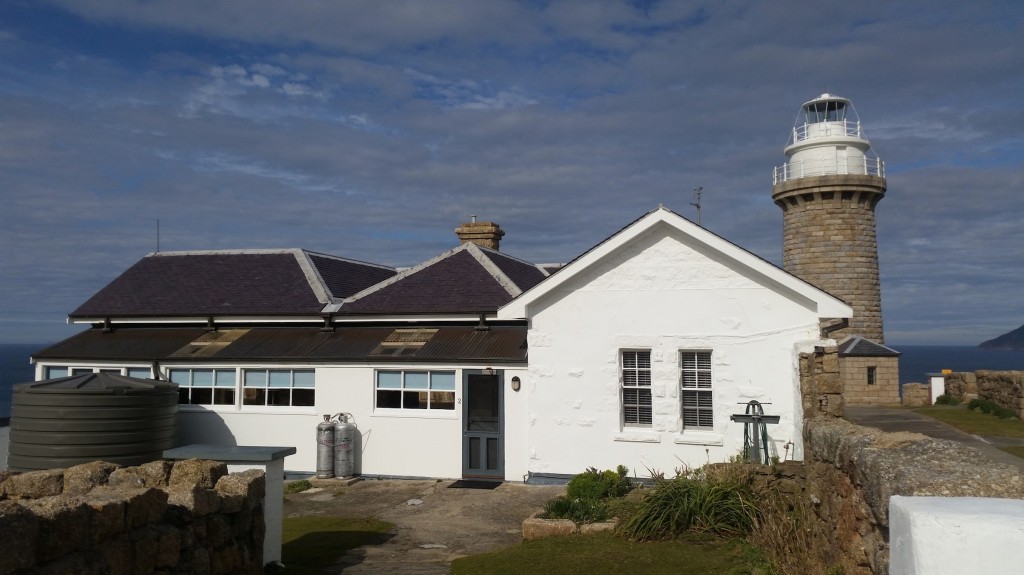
point(455, 283)
point(857, 346)
point(345, 277)
point(524, 275)
point(214, 283)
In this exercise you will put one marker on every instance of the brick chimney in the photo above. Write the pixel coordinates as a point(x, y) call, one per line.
point(483, 234)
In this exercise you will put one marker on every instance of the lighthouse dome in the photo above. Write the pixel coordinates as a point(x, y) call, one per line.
point(827, 138)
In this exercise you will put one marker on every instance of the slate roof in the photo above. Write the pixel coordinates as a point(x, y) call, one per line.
point(467, 279)
point(445, 343)
point(248, 282)
point(857, 346)
point(346, 277)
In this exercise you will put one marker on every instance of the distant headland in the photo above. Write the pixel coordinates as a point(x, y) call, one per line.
point(1012, 340)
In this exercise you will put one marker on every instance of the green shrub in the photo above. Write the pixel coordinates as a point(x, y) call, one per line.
point(579, 510)
point(992, 408)
point(594, 484)
point(946, 400)
point(701, 501)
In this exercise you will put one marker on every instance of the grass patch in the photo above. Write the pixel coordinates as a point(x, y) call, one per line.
point(973, 421)
point(603, 553)
point(297, 486)
point(1017, 450)
point(311, 544)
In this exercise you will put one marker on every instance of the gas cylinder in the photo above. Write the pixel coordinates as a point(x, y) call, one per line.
point(325, 448)
point(346, 437)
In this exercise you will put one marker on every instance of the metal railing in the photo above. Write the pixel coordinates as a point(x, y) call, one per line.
point(826, 167)
point(826, 129)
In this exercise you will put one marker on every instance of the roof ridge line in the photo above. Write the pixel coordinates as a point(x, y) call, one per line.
point(316, 281)
point(402, 275)
point(348, 260)
point(492, 268)
point(227, 252)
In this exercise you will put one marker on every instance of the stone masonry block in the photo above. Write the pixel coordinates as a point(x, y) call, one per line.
point(536, 528)
point(198, 501)
point(830, 383)
point(63, 526)
point(35, 484)
point(83, 478)
point(169, 546)
point(116, 555)
point(20, 532)
point(107, 514)
point(145, 548)
point(152, 474)
point(145, 506)
point(197, 472)
point(237, 488)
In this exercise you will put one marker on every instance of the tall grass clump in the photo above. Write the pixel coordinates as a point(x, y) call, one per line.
point(715, 500)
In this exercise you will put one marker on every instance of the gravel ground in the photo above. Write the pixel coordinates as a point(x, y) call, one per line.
point(433, 523)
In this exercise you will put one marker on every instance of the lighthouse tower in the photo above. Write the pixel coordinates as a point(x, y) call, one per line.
point(828, 190)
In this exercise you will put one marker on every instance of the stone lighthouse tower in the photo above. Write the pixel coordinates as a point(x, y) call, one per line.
point(828, 190)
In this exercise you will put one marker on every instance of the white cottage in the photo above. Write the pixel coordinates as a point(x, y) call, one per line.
point(474, 363)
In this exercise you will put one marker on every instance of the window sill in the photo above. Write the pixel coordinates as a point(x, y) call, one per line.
point(638, 436)
point(248, 409)
point(416, 414)
point(709, 438)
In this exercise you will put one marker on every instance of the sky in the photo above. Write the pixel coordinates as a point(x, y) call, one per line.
point(371, 129)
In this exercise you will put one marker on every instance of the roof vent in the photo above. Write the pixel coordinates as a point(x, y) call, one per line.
point(483, 234)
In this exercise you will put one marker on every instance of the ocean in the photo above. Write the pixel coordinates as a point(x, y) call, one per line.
point(14, 368)
point(915, 363)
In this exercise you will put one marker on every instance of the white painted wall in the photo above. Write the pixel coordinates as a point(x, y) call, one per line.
point(665, 294)
point(954, 535)
point(393, 442)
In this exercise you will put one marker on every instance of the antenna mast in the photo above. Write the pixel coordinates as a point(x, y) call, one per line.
point(158, 235)
point(696, 202)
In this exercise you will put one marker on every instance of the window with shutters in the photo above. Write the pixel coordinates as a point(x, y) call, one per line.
point(696, 389)
point(636, 388)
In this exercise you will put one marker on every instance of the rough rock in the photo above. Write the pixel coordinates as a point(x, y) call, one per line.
point(198, 472)
point(20, 533)
point(35, 484)
point(83, 478)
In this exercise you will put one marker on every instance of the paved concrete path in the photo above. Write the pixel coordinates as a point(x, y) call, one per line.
point(433, 524)
point(899, 419)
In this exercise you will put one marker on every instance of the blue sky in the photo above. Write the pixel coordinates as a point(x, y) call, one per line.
point(371, 129)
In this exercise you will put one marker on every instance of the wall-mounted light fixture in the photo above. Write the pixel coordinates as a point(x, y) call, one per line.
point(516, 383)
point(488, 371)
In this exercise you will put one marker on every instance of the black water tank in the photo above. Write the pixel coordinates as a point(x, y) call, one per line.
point(97, 416)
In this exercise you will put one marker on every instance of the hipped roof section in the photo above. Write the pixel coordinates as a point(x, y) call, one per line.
point(231, 283)
point(466, 280)
point(828, 306)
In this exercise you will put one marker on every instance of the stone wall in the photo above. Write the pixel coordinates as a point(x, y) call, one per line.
point(1005, 388)
point(917, 395)
point(961, 385)
point(857, 391)
point(821, 384)
point(186, 517)
point(874, 466)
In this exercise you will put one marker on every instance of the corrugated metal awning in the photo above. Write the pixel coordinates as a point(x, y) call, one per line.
point(505, 344)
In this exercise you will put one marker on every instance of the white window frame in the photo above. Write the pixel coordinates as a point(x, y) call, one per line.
point(242, 386)
point(402, 389)
point(81, 369)
point(189, 385)
point(634, 378)
point(696, 389)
